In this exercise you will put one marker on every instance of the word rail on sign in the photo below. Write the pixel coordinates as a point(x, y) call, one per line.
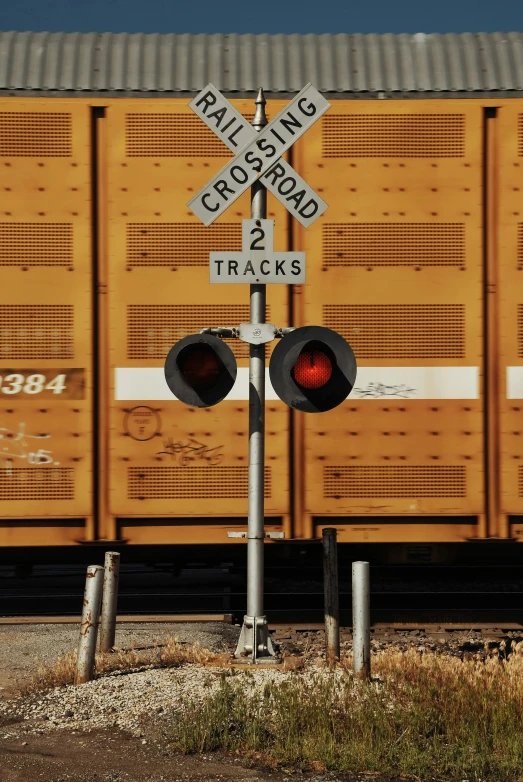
point(221, 117)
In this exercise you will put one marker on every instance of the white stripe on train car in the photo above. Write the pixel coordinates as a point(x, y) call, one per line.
point(148, 384)
point(416, 383)
point(514, 382)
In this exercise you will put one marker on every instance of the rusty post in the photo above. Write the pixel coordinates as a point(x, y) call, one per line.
point(331, 598)
point(89, 626)
point(109, 600)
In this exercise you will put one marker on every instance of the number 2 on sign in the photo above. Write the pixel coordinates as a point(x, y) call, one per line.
point(31, 384)
point(255, 244)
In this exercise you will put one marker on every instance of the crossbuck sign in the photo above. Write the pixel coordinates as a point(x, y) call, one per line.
point(258, 155)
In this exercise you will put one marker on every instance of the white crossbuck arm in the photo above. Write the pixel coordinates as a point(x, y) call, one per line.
point(258, 155)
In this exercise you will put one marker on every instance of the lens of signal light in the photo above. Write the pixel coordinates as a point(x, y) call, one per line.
point(313, 369)
point(200, 368)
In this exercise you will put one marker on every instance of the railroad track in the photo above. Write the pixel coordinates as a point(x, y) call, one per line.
point(412, 594)
point(284, 631)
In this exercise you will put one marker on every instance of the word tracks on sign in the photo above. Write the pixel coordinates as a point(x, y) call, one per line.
point(258, 155)
point(257, 262)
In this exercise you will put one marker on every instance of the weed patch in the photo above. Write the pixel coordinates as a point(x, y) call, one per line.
point(433, 716)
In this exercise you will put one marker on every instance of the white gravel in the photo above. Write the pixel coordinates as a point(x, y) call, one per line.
point(22, 645)
point(128, 701)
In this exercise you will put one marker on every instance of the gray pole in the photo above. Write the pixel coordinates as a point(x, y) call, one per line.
point(254, 638)
point(331, 599)
point(109, 600)
point(89, 626)
point(361, 617)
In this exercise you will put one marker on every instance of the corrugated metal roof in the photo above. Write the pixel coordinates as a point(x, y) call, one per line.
point(343, 63)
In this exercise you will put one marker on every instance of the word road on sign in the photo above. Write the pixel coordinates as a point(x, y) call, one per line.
point(258, 155)
point(257, 263)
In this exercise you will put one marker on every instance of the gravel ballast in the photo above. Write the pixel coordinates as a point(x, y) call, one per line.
point(129, 700)
point(121, 701)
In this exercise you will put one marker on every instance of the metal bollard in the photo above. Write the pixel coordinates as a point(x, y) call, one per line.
point(331, 597)
point(109, 600)
point(89, 626)
point(361, 617)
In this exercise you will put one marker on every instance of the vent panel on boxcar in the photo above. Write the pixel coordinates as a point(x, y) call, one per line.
point(179, 244)
point(194, 483)
point(519, 132)
point(37, 483)
point(394, 481)
point(154, 328)
point(36, 331)
point(36, 244)
point(172, 135)
point(36, 134)
point(393, 244)
point(399, 331)
point(413, 135)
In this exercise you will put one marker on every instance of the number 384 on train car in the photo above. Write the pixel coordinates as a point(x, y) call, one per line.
point(62, 383)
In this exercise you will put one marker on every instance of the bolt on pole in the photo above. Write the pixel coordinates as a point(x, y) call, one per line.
point(109, 600)
point(361, 617)
point(89, 626)
point(254, 637)
point(331, 597)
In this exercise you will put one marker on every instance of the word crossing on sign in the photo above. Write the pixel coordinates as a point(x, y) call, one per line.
point(257, 263)
point(258, 155)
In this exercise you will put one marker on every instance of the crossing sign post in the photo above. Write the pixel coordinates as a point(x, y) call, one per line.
point(316, 368)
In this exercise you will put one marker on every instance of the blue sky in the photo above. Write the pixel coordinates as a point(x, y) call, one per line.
point(263, 16)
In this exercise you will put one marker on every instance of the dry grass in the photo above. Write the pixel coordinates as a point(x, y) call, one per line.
point(430, 716)
point(168, 654)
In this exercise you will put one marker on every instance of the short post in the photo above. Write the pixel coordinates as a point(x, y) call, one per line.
point(89, 626)
point(331, 597)
point(361, 617)
point(109, 600)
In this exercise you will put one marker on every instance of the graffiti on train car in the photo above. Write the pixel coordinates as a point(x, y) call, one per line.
point(380, 390)
point(184, 452)
point(22, 446)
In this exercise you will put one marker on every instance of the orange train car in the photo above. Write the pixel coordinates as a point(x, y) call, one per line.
point(417, 263)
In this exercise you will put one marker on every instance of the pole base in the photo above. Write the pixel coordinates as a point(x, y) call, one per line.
point(254, 644)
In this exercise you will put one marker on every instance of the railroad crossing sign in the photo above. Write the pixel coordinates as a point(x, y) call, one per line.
point(258, 155)
point(258, 263)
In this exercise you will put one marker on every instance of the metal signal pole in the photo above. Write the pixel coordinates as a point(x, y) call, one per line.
point(254, 637)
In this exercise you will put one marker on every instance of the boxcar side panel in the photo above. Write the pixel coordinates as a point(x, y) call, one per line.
point(45, 322)
point(510, 308)
point(395, 265)
point(166, 459)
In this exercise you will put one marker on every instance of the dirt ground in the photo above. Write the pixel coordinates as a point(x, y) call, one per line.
point(114, 757)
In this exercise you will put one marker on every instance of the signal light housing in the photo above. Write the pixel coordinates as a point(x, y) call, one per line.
point(313, 369)
point(200, 370)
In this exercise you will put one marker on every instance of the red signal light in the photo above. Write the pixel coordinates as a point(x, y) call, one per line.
point(313, 369)
point(200, 367)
